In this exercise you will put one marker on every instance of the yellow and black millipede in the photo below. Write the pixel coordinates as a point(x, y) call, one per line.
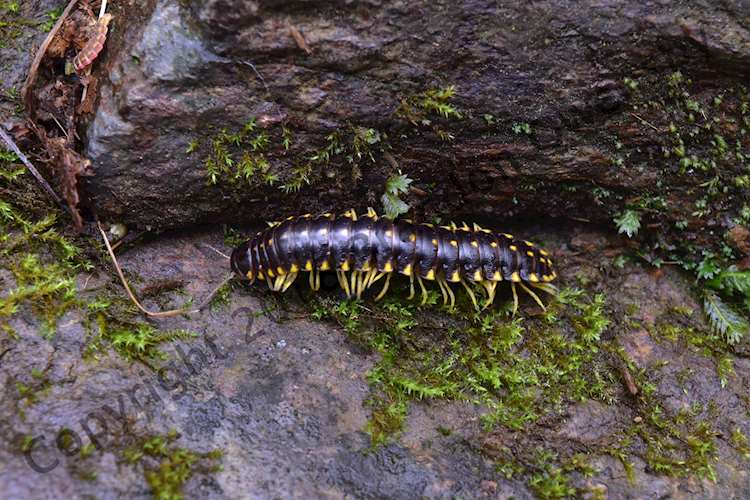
point(362, 250)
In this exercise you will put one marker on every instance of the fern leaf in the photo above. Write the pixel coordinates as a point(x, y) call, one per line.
point(724, 320)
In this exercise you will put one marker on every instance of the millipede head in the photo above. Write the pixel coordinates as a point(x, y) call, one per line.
point(240, 261)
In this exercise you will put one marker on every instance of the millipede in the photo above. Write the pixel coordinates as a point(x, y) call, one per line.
point(362, 250)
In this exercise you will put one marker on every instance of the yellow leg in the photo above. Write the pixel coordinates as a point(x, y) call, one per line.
point(424, 290)
point(490, 287)
point(312, 280)
point(270, 283)
point(278, 283)
point(317, 280)
point(353, 282)
point(289, 280)
point(515, 297)
point(411, 286)
point(344, 282)
point(442, 285)
point(546, 287)
point(533, 296)
point(385, 287)
point(471, 294)
point(370, 278)
point(360, 284)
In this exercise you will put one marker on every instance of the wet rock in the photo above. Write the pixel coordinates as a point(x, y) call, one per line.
point(186, 70)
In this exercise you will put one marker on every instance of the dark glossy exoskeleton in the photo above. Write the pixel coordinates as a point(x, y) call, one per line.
point(362, 250)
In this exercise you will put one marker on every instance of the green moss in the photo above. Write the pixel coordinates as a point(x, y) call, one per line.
point(425, 109)
point(167, 467)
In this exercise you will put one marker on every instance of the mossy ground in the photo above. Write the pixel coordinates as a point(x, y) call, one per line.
point(528, 372)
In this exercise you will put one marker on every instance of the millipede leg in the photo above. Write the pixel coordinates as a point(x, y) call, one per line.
point(360, 284)
point(270, 283)
point(546, 287)
point(534, 296)
point(424, 290)
point(471, 294)
point(312, 280)
point(289, 280)
point(385, 287)
point(442, 285)
point(411, 286)
point(278, 283)
point(515, 297)
point(353, 283)
point(452, 296)
point(490, 287)
point(317, 280)
point(344, 282)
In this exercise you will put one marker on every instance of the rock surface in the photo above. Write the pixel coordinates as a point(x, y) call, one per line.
point(283, 396)
point(547, 127)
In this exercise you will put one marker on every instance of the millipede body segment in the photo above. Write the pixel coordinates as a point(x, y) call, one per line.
point(364, 249)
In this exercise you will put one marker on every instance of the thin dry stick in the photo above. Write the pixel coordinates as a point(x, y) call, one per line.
point(45, 185)
point(159, 314)
point(33, 70)
point(644, 121)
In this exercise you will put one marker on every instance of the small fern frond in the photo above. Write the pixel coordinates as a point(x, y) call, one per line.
point(724, 320)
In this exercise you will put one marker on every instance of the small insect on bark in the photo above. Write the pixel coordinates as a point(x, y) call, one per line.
point(362, 250)
point(94, 45)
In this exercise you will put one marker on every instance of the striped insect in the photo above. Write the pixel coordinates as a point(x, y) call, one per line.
point(363, 250)
point(94, 45)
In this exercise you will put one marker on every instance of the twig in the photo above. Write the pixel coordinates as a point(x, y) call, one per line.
point(299, 39)
point(260, 77)
point(158, 314)
point(34, 68)
point(217, 251)
point(103, 9)
point(45, 185)
point(644, 121)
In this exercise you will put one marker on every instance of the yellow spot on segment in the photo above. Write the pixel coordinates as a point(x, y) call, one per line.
point(477, 275)
point(543, 252)
point(324, 266)
point(430, 274)
point(269, 243)
point(308, 265)
point(280, 270)
point(529, 253)
point(454, 243)
point(345, 265)
point(249, 275)
point(475, 244)
point(294, 268)
point(412, 237)
point(515, 276)
point(435, 243)
point(542, 260)
point(407, 270)
point(509, 236)
point(270, 273)
point(533, 277)
point(497, 276)
point(388, 233)
point(513, 248)
point(427, 224)
point(528, 243)
point(388, 267)
point(327, 214)
point(493, 244)
point(455, 276)
point(307, 216)
point(365, 266)
point(260, 275)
